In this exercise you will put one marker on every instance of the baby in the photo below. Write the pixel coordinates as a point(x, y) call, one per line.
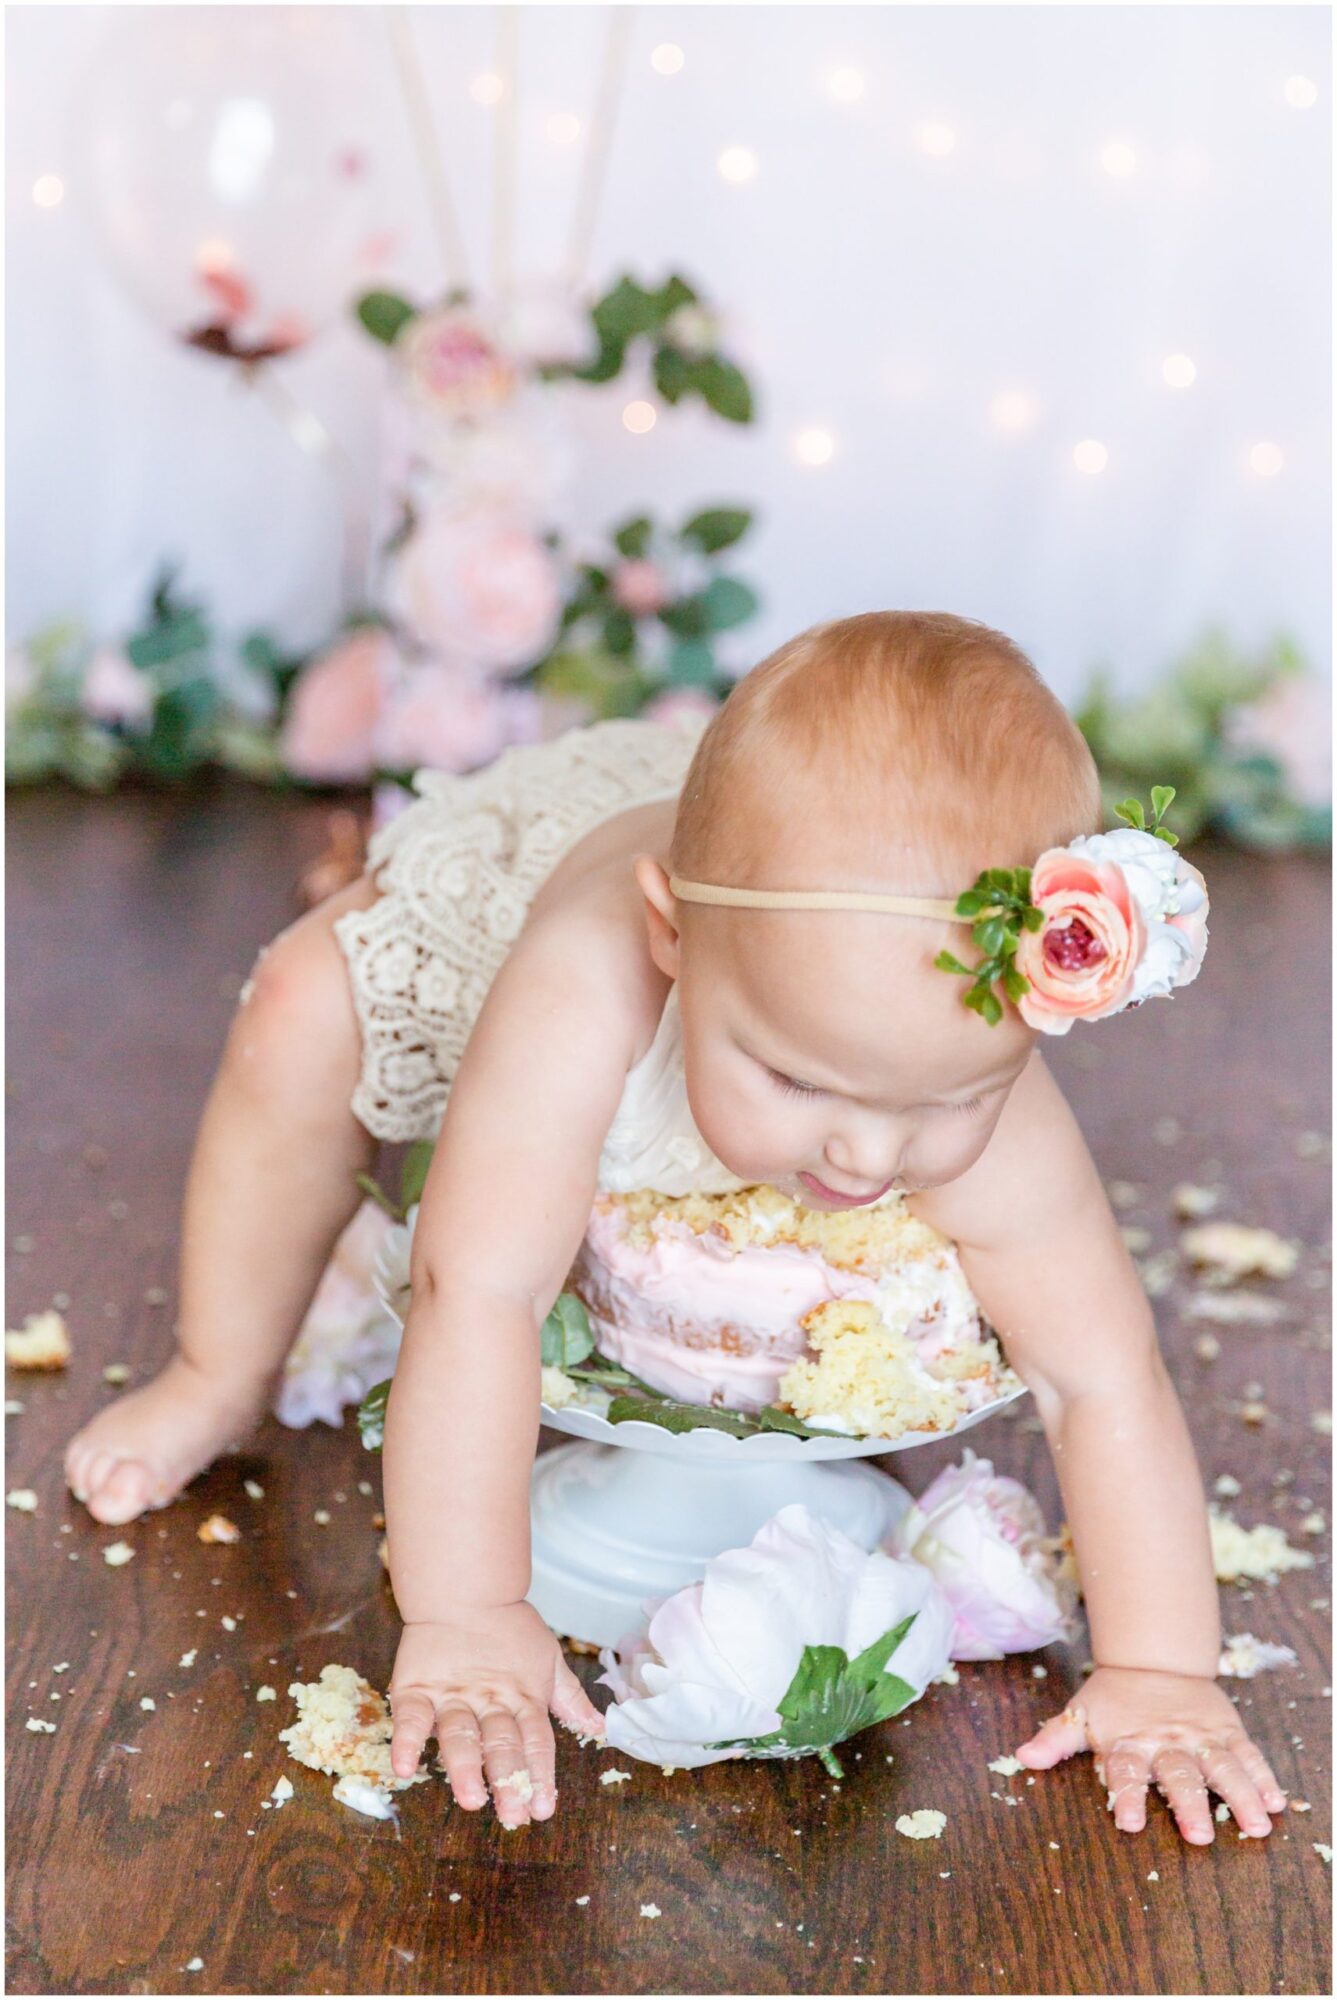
point(517, 947)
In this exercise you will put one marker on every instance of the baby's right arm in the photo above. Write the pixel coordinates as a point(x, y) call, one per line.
point(503, 1213)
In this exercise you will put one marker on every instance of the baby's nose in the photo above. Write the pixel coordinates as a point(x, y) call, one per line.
point(869, 1159)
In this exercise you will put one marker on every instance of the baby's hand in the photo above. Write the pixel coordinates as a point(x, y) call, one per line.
point(483, 1685)
point(1175, 1731)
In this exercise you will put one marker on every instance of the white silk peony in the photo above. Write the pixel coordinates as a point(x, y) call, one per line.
point(783, 1649)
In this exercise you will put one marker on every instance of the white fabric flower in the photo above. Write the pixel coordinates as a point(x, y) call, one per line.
point(1154, 870)
point(763, 1656)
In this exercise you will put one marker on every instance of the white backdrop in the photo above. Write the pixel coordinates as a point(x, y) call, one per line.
point(878, 286)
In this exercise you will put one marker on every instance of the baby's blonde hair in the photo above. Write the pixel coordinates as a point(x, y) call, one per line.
point(931, 737)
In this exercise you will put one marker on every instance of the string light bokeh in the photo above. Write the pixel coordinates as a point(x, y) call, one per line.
point(1037, 299)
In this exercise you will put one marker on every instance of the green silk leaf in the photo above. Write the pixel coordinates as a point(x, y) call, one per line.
point(833, 1697)
point(566, 1337)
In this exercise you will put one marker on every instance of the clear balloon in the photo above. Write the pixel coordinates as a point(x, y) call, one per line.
point(227, 158)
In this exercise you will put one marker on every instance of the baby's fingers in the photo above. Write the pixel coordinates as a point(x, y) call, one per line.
point(1126, 1774)
point(540, 1757)
point(413, 1718)
point(460, 1754)
point(1180, 1779)
point(1062, 1736)
point(570, 1703)
point(1226, 1775)
point(504, 1756)
point(1258, 1768)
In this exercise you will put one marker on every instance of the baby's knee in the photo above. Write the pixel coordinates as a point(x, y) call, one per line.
point(295, 1024)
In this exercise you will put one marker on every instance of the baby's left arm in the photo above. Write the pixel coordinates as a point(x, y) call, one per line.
point(1043, 1255)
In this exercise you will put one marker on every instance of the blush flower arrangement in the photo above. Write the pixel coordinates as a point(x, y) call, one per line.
point(1106, 922)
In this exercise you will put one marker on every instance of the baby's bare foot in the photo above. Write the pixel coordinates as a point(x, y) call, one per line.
point(141, 1450)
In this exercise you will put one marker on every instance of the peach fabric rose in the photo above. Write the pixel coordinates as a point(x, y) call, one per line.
point(1125, 920)
point(478, 588)
point(1080, 963)
point(327, 734)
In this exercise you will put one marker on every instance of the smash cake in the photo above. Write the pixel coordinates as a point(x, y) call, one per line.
point(859, 1321)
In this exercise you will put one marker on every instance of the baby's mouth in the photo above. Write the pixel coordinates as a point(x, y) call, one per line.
point(839, 1200)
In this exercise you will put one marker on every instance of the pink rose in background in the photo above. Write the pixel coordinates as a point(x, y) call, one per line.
point(677, 706)
point(1080, 962)
point(453, 364)
point(983, 1537)
point(1291, 723)
point(640, 586)
point(445, 718)
point(115, 691)
point(478, 588)
point(334, 707)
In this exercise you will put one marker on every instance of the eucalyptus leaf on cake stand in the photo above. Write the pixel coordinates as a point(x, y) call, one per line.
point(650, 1490)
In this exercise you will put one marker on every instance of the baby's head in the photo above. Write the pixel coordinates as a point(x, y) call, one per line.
point(895, 753)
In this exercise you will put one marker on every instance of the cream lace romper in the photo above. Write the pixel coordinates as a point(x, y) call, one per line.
point(458, 871)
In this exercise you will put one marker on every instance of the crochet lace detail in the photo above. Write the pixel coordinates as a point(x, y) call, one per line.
point(458, 871)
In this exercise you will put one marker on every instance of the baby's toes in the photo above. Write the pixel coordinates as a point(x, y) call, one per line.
point(122, 1494)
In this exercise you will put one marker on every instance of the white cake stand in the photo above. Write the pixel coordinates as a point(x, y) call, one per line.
point(634, 1511)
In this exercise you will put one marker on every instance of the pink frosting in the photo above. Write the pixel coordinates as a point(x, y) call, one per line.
point(706, 1323)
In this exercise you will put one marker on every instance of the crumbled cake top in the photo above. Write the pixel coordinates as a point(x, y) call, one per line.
point(853, 1239)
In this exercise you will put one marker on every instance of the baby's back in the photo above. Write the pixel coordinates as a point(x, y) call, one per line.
point(543, 838)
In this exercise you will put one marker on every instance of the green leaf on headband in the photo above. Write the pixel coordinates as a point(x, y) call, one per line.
point(990, 934)
point(1032, 917)
point(992, 1009)
point(1162, 797)
point(1170, 839)
point(1015, 984)
point(970, 903)
point(1131, 811)
point(946, 963)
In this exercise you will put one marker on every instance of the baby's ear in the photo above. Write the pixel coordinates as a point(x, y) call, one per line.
point(661, 913)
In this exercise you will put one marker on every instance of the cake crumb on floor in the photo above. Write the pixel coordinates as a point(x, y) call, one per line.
point(925, 1824)
point(118, 1555)
point(42, 1342)
point(614, 1777)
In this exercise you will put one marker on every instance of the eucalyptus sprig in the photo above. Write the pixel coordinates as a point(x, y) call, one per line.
point(1132, 812)
point(1000, 903)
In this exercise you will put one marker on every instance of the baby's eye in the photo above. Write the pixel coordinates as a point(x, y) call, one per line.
point(790, 1085)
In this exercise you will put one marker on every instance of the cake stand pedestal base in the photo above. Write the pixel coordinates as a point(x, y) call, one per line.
point(611, 1527)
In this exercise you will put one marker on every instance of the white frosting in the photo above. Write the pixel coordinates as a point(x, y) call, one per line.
point(653, 1141)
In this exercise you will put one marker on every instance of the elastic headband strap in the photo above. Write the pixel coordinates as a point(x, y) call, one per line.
point(816, 899)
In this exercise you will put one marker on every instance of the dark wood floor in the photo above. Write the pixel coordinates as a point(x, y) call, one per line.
point(136, 1838)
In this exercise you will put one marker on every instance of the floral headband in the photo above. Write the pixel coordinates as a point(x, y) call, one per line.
point(1106, 922)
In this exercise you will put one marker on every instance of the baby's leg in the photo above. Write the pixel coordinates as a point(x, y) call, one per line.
point(271, 1185)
